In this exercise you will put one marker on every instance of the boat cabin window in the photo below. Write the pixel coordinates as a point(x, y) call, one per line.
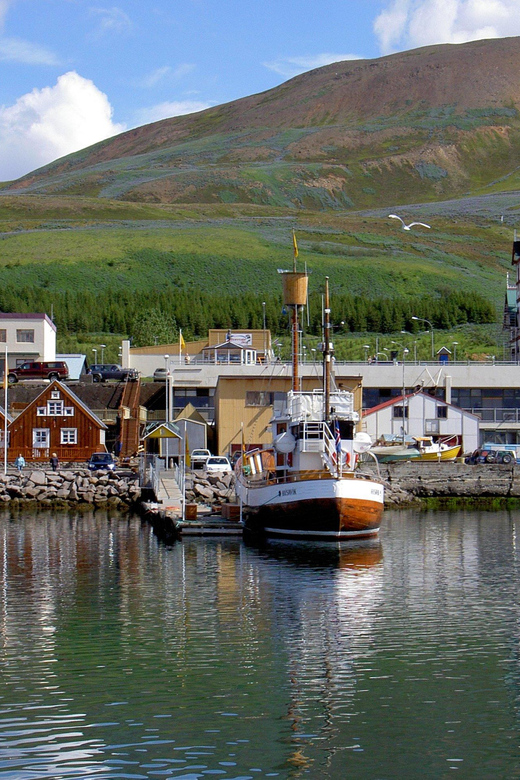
point(346, 429)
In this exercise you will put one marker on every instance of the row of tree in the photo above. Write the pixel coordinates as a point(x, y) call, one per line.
point(149, 317)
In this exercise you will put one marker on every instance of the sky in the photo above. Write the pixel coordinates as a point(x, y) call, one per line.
point(73, 72)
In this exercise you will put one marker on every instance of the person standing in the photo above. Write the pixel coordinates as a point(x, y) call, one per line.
point(54, 461)
point(19, 463)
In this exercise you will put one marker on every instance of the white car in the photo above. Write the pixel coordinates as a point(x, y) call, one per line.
point(218, 464)
point(198, 458)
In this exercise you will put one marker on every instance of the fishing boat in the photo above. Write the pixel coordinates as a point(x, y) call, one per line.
point(308, 483)
point(436, 450)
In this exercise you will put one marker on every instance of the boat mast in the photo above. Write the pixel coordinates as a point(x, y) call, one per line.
point(327, 354)
point(295, 297)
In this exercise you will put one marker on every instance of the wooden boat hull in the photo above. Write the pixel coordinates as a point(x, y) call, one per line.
point(448, 454)
point(314, 508)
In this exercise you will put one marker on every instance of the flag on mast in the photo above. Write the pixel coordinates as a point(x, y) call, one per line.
point(295, 245)
point(181, 339)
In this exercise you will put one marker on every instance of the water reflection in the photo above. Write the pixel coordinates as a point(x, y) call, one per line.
point(122, 657)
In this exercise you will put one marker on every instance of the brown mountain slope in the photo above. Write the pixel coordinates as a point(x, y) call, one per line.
point(433, 122)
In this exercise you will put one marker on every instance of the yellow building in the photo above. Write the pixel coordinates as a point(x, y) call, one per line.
point(244, 406)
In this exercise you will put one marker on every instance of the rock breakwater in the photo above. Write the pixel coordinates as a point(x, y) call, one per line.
point(211, 489)
point(75, 486)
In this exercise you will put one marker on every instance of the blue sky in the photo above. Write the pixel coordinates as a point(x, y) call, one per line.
point(73, 72)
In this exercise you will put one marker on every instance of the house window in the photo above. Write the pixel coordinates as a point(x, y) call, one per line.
point(41, 411)
point(55, 394)
point(25, 336)
point(442, 412)
point(41, 438)
point(69, 435)
point(55, 408)
point(398, 412)
point(431, 426)
point(69, 411)
point(254, 398)
point(3, 335)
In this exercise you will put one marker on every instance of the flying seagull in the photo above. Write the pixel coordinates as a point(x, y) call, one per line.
point(407, 227)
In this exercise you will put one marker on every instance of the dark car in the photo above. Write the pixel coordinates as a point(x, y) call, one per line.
point(33, 369)
point(101, 460)
point(490, 456)
point(101, 372)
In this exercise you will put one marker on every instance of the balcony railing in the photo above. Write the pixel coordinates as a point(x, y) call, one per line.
point(495, 415)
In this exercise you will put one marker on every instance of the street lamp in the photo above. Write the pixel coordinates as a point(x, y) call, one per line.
point(263, 320)
point(454, 345)
point(407, 333)
point(313, 355)
point(405, 353)
point(94, 350)
point(366, 347)
point(102, 348)
point(167, 386)
point(423, 319)
point(304, 353)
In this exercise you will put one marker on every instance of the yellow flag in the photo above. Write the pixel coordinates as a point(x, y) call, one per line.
point(187, 449)
point(181, 340)
point(295, 245)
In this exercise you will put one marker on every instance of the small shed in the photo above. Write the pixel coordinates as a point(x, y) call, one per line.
point(230, 352)
point(444, 355)
point(163, 439)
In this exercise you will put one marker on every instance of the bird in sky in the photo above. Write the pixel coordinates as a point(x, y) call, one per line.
point(410, 226)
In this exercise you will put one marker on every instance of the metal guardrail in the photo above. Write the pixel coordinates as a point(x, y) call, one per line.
point(493, 415)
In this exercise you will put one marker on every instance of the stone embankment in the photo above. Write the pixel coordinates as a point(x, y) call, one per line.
point(211, 489)
point(77, 486)
point(412, 481)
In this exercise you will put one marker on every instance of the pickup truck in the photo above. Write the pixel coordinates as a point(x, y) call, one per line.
point(198, 458)
point(103, 371)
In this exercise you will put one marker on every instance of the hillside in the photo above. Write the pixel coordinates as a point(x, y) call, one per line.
point(419, 126)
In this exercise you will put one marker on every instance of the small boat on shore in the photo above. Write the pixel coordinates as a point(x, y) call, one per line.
point(308, 484)
point(436, 450)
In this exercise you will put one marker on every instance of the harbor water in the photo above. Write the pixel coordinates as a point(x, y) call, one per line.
point(122, 657)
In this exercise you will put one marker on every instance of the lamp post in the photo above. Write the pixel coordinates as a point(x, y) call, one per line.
point(102, 348)
point(167, 386)
point(366, 347)
point(405, 353)
point(454, 345)
point(263, 323)
point(407, 333)
point(313, 355)
point(304, 348)
point(94, 350)
point(423, 319)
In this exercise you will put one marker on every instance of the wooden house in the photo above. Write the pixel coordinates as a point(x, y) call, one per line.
point(56, 421)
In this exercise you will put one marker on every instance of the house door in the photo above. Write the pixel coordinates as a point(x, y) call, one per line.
point(41, 442)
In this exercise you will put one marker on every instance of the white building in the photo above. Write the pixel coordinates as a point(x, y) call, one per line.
point(423, 415)
point(26, 337)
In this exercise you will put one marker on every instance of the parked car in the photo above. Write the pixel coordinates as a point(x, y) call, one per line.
point(198, 458)
point(159, 375)
point(103, 371)
point(490, 456)
point(218, 463)
point(56, 369)
point(101, 460)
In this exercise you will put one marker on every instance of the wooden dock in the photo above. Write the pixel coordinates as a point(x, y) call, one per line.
point(166, 520)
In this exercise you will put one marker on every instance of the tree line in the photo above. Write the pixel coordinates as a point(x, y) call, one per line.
point(156, 315)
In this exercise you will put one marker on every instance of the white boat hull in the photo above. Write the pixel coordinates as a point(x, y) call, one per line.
point(328, 508)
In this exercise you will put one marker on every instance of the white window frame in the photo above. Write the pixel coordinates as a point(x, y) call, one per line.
point(41, 411)
point(41, 438)
point(55, 395)
point(68, 411)
point(68, 436)
point(55, 408)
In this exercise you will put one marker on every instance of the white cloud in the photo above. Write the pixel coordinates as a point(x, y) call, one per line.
point(4, 5)
point(411, 23)
point(51, 122)
point(293, 66)
point(167, 110)
point(111, 20)
point(17, 50)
